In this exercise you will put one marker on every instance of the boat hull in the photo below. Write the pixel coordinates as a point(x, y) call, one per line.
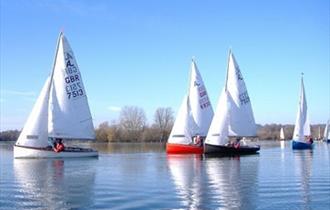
point(328, 141)
point(228, 151)
point(301, 145)
point(69, 152)
point(183, 149)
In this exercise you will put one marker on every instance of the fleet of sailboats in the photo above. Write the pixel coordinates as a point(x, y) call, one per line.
point(302, 130)
point(60, 112)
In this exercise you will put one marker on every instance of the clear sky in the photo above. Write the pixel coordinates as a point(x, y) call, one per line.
point(139, 53)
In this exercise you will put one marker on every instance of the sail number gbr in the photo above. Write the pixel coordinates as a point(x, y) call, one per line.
point(73, 86)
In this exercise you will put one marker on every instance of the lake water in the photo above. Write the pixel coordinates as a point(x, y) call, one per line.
point(142, 176)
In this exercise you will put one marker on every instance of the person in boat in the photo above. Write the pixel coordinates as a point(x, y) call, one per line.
point(59, 146)
point(310, 140)
point(237, 143)
point(198, 140)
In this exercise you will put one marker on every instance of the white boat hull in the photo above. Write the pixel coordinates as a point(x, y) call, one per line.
point(71, 152)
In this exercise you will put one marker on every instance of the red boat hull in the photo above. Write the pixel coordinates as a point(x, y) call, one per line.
point(183, 149)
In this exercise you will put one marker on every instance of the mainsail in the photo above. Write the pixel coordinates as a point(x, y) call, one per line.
point(200, 104)
point(302, 126)
point(242, 121)
point(61, 109)
point(234, 115)
point(69, 116)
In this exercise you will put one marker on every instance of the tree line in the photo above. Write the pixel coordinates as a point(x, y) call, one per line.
point(132, 127)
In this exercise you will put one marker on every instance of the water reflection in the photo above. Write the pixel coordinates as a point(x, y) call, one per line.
point(187, 177)
point(233, 182)
point(282, 143)
point(303, 169)
point(53, 184)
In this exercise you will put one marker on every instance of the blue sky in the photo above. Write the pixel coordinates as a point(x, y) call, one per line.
point(139, 52)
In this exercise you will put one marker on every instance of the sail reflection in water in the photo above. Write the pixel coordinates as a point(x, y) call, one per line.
point(303, 161)
point(54, 184)
point(186, 173)
point(233, 182)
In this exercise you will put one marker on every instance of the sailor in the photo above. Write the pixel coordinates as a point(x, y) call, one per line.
point(198, 140)
point(237, 143)
point(59, 146)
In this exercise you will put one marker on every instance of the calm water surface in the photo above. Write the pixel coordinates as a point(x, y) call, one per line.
point(137, 176)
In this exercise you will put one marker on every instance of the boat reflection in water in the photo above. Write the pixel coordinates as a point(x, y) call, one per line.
point(54, 184)
point(233, 182)
point(186, 174)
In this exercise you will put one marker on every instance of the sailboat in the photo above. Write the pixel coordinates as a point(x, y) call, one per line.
point(233, 116)
point(326, 135)
point(282, 137)
point(302, 129)
point(319, 134)
point(60, 112)
point(193, 119)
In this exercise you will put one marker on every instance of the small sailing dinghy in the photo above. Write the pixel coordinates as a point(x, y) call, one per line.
point(60, 112)
point(193, 119)
point(302, 130)
point(233, 117)
point(282, 136)
point(326, 135)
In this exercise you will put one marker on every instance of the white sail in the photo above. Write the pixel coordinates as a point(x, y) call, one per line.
point(69, 114)
point(184, 127)
point(302, 126)
point(282, 137)
point(242, 121)
point(35, 132)
point(326, 134)
point(200, 104)
point(219, 129)
point(195, 114)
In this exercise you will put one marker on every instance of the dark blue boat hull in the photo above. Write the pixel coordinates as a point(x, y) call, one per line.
point(222, 150)
point(301, 145)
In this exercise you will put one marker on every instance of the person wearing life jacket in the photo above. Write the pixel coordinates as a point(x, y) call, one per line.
point(310, 140)
point(59, 146)
point(198, 140)
point(237, 143)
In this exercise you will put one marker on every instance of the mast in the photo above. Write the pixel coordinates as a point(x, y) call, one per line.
point(227, 69)
point(55, 58)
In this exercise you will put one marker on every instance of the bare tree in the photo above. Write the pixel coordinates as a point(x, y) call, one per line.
point(132, 122)
point(163, 120)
